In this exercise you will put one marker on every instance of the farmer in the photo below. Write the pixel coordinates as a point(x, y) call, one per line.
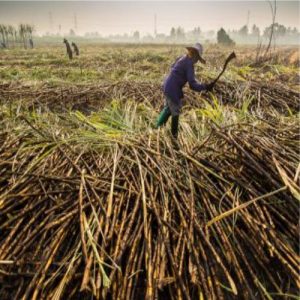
point(76, 49)
point(68, 48)
point(182, 71)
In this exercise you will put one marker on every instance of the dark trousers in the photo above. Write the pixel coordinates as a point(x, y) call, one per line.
point(169, 110)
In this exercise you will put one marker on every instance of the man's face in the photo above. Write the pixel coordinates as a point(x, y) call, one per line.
point(195, 59)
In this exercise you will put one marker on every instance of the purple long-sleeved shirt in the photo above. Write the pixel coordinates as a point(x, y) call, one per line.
point(182, 71)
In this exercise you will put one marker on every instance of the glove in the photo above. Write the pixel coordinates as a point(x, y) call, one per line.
point(210, 86)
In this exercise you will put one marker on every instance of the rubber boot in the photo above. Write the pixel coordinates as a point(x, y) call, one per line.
point(174, 126)
point(163, 117)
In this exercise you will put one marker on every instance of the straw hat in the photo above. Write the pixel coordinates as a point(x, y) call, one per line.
point(197, 49)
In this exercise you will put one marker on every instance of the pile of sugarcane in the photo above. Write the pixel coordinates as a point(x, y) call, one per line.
point(93, 208)
point(81, 97)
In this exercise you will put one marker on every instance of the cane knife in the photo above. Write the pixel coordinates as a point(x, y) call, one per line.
point(229, 58)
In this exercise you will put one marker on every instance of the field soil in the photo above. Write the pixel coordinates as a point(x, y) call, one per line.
point(96, 203)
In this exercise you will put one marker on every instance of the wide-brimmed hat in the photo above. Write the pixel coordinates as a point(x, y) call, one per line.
point(198, 49)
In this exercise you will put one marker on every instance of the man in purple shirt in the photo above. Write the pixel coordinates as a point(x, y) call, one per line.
point(182, 71)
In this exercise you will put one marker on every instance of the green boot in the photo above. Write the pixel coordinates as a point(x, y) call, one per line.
point(163, 117)
point(174, 126)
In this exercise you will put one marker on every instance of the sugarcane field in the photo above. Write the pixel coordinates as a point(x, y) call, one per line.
point(136, 169)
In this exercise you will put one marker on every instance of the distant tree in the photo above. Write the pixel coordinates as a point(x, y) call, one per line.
point(290, 31)
point(196, 33)
point(223, 38)
point(295, 30)
point(160, 37)
point(267, 31)
point(92, 34)
point(244, 31)
point(72, 32)
point(136, 36)
point(173, 33)
point(210, 33)
point(293, 33)
point(148, 38)
point(255, 31)
point(180, 35)
point(279, 30)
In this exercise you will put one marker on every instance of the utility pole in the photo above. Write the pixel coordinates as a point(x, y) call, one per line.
point(155, 26)
point(75, 22)
point(248, 18)
point(50, 21)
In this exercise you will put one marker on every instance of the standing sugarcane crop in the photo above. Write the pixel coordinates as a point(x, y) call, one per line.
point(31, 43)
point(69, 50)
point(76, 49)
point(182, 71)
point(2, 32)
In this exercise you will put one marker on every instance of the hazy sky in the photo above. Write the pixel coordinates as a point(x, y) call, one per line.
point(111, 17)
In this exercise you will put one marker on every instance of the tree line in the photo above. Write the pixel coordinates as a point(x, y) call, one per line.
point(281, 34)
point(244, 35)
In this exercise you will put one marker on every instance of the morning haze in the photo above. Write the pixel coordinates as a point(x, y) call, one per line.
point(110, 18)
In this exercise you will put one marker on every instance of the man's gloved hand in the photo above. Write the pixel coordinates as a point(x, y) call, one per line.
point(210, 86)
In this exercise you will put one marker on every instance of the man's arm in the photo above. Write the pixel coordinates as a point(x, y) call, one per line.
point(193, 83)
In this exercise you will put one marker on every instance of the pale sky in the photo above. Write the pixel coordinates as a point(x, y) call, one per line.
point(112, 17)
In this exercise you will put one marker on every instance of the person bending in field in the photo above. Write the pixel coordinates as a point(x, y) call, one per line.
point(182, 71)
point(69, 50)
point(76, 49)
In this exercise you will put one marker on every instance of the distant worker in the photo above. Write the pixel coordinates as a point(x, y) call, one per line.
point(182, 71)
point(76, 50)
point(69, 50)
point(31, 43)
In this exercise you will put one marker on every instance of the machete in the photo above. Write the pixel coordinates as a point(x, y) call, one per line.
point(229, 58)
